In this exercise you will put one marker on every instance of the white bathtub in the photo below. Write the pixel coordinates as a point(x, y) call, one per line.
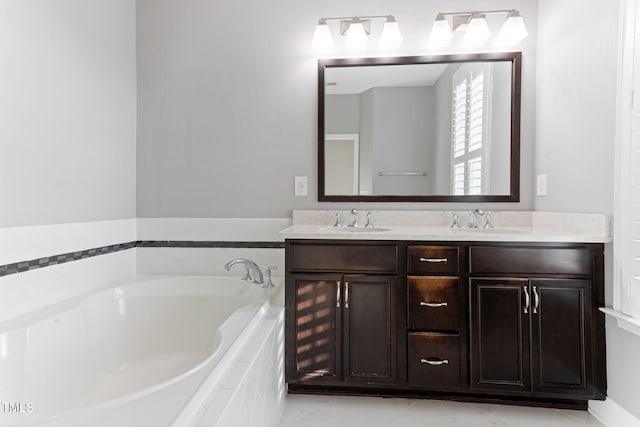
point(131, 355)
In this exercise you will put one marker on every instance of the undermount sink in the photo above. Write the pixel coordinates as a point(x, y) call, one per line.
point(355, 229)
point(491, 230)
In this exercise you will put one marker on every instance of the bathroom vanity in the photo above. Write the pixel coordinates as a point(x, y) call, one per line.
point(507, 315)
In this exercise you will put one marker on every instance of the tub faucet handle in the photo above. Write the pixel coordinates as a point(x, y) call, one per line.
point(247, 273)
point(268, 283)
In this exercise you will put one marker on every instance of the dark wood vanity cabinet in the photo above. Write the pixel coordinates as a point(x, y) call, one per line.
point(451, 319)
point(535, 329)
point(341, 326)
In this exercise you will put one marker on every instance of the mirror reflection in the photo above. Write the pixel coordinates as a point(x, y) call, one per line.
point(419, 129)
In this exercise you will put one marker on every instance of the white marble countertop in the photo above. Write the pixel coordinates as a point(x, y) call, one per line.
point(434, 226)
point(439, 233)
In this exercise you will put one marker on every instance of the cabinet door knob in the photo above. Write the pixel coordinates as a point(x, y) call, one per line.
point(435, 260)
point(435, 362)
point(338, 285)
point(536, 299)
point(433, 304)
point(527, 299)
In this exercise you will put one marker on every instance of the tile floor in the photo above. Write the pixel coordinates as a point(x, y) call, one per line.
point(341, 411)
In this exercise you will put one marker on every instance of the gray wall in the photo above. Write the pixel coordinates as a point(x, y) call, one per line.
point(342, 114)
point(227, 101)
point(575, 128)
point(67, 111)
point(403, 139)
point(442, 158)
point(575, 115)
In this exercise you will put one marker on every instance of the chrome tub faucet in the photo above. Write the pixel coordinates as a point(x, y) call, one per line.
point(251, 268)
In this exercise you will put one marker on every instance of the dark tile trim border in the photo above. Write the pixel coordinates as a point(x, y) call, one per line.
point(207, 244)
point(23, 266)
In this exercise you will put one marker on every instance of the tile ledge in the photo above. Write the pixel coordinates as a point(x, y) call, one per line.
point(628, 323)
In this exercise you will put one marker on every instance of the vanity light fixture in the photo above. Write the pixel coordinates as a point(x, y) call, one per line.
point(474, 25)
point(357, 30)
point(513, 29)
point(440, 32)
point(478, 31)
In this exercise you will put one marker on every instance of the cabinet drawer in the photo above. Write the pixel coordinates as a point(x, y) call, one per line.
point(433, 259)
point(434, 359)
point(343, 257)
point(528, 260)
point(434, 303)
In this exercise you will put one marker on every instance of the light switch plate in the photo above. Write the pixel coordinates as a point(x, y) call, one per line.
point(541, 185)
point(300, 186)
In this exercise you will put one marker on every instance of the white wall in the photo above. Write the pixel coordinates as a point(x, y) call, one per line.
point(575, 132)
point(227, 101)
point(67, 111)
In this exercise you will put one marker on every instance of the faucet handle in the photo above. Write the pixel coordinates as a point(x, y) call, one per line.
point(487, 220)
point(247, 273)
point(370, 219)
point(268, 283)
point(338, 222)
point(454, 219)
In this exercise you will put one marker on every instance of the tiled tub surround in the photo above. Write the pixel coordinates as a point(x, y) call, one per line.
point(138, 351)
point(199, 246)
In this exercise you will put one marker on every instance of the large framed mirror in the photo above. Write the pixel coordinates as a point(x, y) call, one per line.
point(443, 128)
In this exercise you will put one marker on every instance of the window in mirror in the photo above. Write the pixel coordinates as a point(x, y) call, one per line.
point(470, 129)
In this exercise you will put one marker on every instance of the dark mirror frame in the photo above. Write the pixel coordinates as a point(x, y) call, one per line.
point(516, 79)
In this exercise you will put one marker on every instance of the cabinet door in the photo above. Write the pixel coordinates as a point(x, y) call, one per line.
point(560, 318)
point(500, 334)
point(369, 314)
point(313, 325)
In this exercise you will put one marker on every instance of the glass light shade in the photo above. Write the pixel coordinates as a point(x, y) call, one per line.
point(513, 30)
point(322, 39)
point(391, 37)
point(440, 33)
point(356, 36)
point(478, 31)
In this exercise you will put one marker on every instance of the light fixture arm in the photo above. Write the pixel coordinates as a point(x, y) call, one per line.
point(352, 18)
point(471, 13)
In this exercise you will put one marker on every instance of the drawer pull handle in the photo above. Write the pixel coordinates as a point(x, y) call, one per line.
point(435, 362)
point(433, 304)
point(338, 285)
point(435, 260)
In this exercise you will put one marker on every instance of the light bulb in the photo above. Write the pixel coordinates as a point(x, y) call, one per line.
point(513, 29)
point(391, 37)
point(478, 30)
point(440, 33)
point(322, 39)
point(356, 36)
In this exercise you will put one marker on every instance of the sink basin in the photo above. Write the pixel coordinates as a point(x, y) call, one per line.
point(492, 230)
point(355, 229)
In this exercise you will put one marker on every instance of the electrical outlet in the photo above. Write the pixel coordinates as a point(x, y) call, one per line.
point(541, 185)
point(300, 186)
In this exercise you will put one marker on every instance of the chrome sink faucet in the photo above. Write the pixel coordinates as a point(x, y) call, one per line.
point(353, 218)
point(252, 267)
point(473, 218)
